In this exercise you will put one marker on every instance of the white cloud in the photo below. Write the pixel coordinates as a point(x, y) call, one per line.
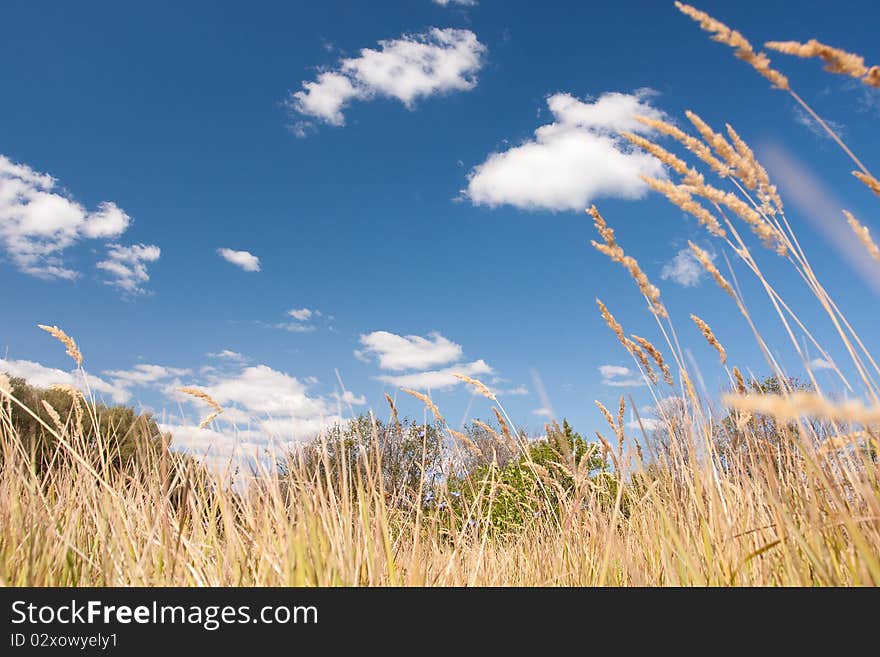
point(648, 423)
point(408, 68)
point(265, 403)
point(572, 161)
point(684, 268)
point(409, 352)
point(41, 376)
point(437, 379)
point(37, 223)
point(348, 397)
point(144, 374)
point(228, 354)
point(543, 412)
point(293, 327)
point(618, 376)
point(301, 314)
point(127, 267)
point(820, 364)
point(519, 390)
point(445, 3)
point(244, 259)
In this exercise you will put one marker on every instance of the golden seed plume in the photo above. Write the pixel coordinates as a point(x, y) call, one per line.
point(656, 355)
point(836, 60)
point(5, 384)
point(744, 50)
point(427, 402)
point(864, 235)
point(693, 144)
point(767, 192)
point(679, 195)
point(799, 404)
point(204, 396)
point(607, 414)
point(621, 410)
point(616, 253)
point(710, 337)
point(870, 181)
point(394, 417)
point(628, 344)
point(771, 237)
point(76, 397)
point(467, 442)
point(873, 77)
point(72, 350)
point(210, 418)
point(710, 267)
point(478, 385)
point(721, 146)
point(56, 419)
point(505, 430)
point(488, 429)
point(740, 382)
point(672, 161)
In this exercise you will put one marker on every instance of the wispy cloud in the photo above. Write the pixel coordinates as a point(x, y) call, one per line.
point(441, 379)
point(622, 377)
point(446, 3)
point(684, 268)
point(411, 67)
point(144, 375)
point(228, 354)
point(38, 223)
point(244, 259)
point(577, 158)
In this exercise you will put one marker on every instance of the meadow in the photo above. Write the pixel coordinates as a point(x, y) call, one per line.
point(770, 482)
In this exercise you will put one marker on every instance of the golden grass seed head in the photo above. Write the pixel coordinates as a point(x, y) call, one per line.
point(706, 330)
point(836, 60)
point(72, 350)
point(427, 402)
point(863, 235)
point(744, 50)
point(870, 181)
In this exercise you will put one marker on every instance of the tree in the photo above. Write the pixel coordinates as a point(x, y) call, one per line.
point(123, 434)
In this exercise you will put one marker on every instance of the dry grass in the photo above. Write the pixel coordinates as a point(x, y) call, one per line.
point(720, 502)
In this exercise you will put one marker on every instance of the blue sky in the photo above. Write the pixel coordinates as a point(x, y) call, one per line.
point(389, 202)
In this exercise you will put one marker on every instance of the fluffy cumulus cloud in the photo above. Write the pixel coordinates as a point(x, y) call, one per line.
point(38, 223)
point(126, 266)
point(407, 69)
point(620, 377)
point(409, 352)
point(572, 161)
point(684, 268)
point(244, 259)
point(266, 411)
point(40, 375)
point(441, 379)
point(414, 361)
